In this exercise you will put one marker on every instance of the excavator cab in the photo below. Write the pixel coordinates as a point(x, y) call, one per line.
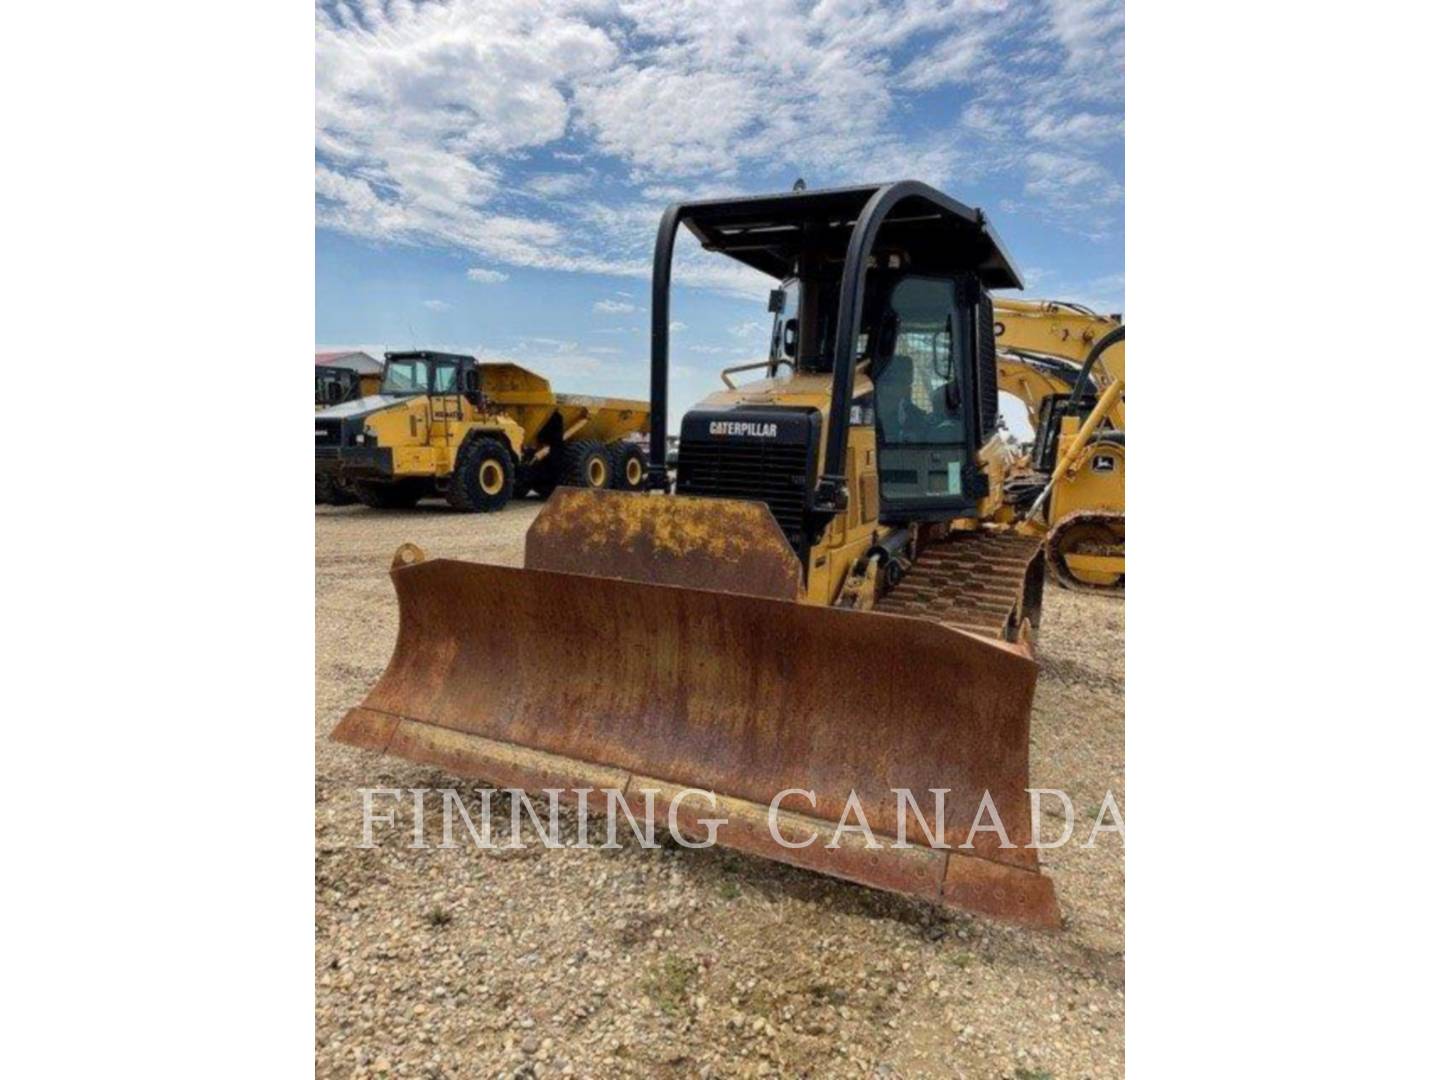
point(1054, 410)
point(809, 614)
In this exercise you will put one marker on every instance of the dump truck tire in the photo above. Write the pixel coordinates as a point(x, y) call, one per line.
point(329, 493)
point(484, 478)
point(398, 496)
point(628, 462)
point(585, 463)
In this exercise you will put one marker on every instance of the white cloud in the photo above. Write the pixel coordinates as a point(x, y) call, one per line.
point(486, 276)
point(1092, 31)
point(676, 326)
point(558, 185)
point(551, 135)
point(747, 329)
point(613, 307)
point(1080, 127)
point(1069, 179)
point(436, 305)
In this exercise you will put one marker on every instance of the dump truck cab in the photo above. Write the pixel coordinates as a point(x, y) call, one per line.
point(892, 281)
point(344, 376)
point(335, 385)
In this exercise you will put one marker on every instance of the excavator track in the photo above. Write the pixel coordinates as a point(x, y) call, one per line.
point(1092, 533)
point(987, 583)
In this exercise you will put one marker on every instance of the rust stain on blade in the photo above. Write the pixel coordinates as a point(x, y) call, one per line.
point(727, 545)
point(503, 764)
point(990, 889)
point(916, 870)
point(533, 678)
point(366, 729)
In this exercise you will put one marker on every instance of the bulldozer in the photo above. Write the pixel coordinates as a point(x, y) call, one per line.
point(1067, 364)
point(474, 433)
point(813, 620)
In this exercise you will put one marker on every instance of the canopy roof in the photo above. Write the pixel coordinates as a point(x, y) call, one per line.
point(937, 233)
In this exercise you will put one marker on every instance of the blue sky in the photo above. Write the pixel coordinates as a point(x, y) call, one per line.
point(489, 174)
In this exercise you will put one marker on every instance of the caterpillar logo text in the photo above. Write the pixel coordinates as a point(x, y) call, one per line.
point(743, 427)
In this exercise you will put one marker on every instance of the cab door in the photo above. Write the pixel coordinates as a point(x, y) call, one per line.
point(445, 408)
point(922, 428)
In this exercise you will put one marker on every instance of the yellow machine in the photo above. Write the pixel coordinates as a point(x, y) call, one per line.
point(475, 433)
point(336, 385)
point(814, 612)
point(1067, 364)
point(1044, 331)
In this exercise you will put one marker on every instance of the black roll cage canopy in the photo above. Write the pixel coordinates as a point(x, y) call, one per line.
point(771, 232)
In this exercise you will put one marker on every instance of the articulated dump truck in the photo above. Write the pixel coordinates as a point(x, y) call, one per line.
point(813, 612)
point(475, 433)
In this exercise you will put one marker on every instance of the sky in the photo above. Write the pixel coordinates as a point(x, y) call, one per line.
point(490, 173)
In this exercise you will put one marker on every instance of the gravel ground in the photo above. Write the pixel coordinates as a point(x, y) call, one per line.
point(668, 962)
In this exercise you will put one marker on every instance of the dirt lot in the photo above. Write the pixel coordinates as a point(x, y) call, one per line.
point(636, 962)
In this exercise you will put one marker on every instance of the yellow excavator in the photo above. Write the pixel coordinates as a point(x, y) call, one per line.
point(1044, 343)
point(814, 615)
point(1067, 365)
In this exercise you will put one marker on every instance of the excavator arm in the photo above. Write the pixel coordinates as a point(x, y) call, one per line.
point(1032, 377)
point(1042, 345)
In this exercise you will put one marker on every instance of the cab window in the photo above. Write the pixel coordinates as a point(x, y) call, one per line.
point(405, 377)
point(914, 366)
point(919, 420)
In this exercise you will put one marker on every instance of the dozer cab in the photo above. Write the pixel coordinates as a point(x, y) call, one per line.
point(475, 433)
point(812, 617)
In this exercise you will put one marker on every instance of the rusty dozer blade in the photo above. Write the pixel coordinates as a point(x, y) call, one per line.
point(533, 678)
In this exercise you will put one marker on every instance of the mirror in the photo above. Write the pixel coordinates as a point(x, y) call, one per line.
point(790, 337)
point(777, 301)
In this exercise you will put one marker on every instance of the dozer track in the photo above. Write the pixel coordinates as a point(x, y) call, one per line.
point(983, 582)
